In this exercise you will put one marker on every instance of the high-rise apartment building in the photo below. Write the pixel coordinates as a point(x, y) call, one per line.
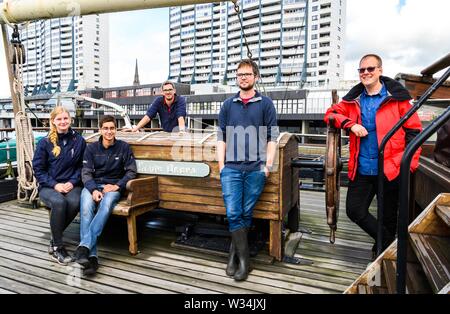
point(294, 42)
point(66, 51)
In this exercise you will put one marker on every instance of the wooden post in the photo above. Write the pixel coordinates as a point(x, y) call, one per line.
point(9, 67)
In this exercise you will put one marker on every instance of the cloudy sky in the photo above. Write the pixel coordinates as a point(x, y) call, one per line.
point(408, 34)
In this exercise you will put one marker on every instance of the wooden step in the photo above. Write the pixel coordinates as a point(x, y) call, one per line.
point(416, 281)
point(434, 255)
point(443, 211)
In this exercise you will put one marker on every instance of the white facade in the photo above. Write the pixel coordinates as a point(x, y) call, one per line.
point(294, 42)
point(63, 49)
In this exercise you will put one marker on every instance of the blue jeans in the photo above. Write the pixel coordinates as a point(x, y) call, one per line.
point(93, 221)
point(241, 191)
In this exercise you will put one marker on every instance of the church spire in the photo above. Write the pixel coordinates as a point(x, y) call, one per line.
point(136, 76)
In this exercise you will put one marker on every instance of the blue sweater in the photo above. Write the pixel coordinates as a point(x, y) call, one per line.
point(112, 165)
point(246, 129)
point(50, 170)
point(168, 115)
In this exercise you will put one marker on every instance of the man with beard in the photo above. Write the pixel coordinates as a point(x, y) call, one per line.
point(170, 107)
point(246, 149)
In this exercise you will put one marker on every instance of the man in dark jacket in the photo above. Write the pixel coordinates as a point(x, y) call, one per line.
point(107, 167)
point(369, 111)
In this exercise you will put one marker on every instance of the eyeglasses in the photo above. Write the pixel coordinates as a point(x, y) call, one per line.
point(369, 69)
point(242, 75)
point(105, 129)
point(167, 90)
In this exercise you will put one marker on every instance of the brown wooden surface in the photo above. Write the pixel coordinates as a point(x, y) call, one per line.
point(204, 194)
point(431, 179)
point(142, 191)
point(417, 85)
point(443, 211)
point(161, 268)
point(434, 255)
point(428, 222)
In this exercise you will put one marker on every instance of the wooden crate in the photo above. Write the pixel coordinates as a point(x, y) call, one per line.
point(183, 188)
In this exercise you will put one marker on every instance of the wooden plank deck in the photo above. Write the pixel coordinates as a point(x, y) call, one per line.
point(26, 267)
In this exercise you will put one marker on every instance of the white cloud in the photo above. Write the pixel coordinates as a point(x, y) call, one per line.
point(151, 50)
point(408, 39)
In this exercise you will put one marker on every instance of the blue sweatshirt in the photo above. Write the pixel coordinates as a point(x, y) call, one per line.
point(168, 115)
point(246, 129)
point(112, 165)
point(50, 170)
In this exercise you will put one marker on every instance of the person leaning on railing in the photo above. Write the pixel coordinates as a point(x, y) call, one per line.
point(369, 110)
point(170, 107)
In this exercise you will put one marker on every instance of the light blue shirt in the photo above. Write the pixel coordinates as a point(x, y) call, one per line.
point(368, 152)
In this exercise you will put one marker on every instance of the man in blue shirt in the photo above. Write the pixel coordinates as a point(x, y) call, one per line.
point(368, 151)
point(170, 107)
point(246, 151)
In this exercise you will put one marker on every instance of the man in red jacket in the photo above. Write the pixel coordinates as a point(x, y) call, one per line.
point(369, 111)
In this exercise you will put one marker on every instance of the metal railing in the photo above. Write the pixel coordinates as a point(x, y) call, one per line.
point(403, 219)
point(404, 199)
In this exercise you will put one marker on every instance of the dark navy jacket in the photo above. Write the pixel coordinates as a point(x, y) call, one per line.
point(112, 165)
point(50, 170)
point(168, 115)
point(246, 129)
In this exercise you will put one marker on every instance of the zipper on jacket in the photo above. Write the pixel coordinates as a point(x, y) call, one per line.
point(358, 140)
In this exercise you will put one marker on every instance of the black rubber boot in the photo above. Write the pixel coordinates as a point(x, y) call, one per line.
point(241, 242)
point(232, 260)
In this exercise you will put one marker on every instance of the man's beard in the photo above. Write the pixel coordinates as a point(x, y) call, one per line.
point(249, 87)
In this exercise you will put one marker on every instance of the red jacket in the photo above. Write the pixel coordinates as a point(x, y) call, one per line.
point(348, 113)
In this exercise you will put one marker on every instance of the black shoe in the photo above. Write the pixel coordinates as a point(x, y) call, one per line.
point(50, 248)
point(91, 269)
point(61, 256)
point(81, 256)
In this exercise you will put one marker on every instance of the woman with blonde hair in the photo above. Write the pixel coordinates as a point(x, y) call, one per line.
point(57, 164)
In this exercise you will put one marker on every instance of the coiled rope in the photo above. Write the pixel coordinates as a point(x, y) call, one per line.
point(27, 187)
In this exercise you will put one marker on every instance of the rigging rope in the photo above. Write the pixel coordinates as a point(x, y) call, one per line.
point(26, 182)
point(237, 9)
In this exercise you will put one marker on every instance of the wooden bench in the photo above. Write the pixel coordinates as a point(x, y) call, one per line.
point(141, 196)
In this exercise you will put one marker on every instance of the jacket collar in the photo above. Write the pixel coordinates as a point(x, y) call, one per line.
point(100, 143)
point(394, 89)
point(67, 135)
point(255, 98)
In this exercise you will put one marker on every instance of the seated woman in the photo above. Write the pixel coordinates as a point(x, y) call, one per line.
point(57, 164)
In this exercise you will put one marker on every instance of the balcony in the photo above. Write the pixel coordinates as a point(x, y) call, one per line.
point(270, 9)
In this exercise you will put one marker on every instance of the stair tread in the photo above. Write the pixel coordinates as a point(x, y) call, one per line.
point(434, 255)
point(443, 211)
point(416, 281)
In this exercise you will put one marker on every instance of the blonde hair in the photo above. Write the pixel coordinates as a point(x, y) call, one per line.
point(53, 134)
